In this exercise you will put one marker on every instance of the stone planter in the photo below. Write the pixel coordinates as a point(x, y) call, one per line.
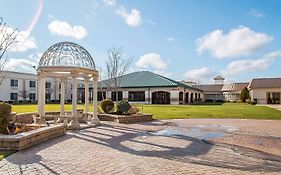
point(26, 139)
point(125, 118)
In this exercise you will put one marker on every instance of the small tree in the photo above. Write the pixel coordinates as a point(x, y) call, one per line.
point(244, 95)
point(7, 38)
point(24, 94)
point(116, 66)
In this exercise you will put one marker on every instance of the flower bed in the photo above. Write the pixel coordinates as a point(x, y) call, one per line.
point(135, 118)
point(29, 138)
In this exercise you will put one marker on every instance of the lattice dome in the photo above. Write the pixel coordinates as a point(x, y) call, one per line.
point(66, 54)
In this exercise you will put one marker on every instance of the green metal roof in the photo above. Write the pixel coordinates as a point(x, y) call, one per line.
point(144, 79)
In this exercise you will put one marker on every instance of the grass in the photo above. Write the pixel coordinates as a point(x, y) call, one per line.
point(227, 110)
point(5, 153)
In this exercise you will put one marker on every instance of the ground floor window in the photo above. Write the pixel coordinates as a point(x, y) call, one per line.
point(32, 96)
point(48, 97)
point(213, 97)
point(273, 98)
point(113, 96)
point(136, 96)
point(160, 97)
point(101, 96)
point(14, 96)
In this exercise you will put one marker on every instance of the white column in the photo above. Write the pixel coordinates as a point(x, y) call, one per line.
point(174, 97)
point(74, 124)
point(41, 99)
point(62, 95)
point(86, 110)
point(95, 119)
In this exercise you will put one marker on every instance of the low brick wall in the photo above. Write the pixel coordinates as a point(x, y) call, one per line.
point(26, 139)
point(136, 118)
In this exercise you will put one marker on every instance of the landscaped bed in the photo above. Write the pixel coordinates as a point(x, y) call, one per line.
point(126, 118)
point(19, 131)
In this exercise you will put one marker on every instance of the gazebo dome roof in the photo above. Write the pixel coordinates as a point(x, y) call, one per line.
point(67, 55)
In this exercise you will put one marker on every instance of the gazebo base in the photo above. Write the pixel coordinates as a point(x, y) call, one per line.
point(74, 124)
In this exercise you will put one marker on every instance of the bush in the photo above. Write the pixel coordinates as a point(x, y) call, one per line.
point(5, 116)
point(123, 107)
point(107, 105)
point(133, 110)
point(244, 95)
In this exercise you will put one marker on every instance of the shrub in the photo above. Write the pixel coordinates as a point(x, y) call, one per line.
point(133, 110)
point(123, 107)
point(244, 95)
point(252, 102)
point(107, 105)
point(5, 117)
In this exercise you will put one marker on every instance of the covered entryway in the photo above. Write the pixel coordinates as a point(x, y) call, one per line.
point(181, 98)
point(160, 97)
point(273, 98)
point(186, 97)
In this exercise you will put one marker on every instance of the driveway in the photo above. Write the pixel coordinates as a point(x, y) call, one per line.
point(160, 147)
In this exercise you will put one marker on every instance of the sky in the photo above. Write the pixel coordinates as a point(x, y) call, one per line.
point(181, 39)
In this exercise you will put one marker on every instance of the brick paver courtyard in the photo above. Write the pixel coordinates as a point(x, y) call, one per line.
point(140, 149)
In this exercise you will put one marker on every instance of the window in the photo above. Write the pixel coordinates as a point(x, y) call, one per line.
point(136, 96)
point(113, 96)
point(101, 96)
point(14, 96)
point(48, 97)
point(32, 84)
point(14, 83)
point(48, 84)
point(32, 96)
point(120, 96)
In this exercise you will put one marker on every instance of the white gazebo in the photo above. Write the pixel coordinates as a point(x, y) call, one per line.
point(67, 60)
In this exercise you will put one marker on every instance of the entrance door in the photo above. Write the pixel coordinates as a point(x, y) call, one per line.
point(160, 97)
point(273, 97)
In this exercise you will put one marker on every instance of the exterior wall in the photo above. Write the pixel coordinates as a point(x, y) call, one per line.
point(174, 97)
point(174, 93)
point(260, 94)
point(23, 85)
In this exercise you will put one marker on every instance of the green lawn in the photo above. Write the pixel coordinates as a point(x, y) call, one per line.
point(227, 110)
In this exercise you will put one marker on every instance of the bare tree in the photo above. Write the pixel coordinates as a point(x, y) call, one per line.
point(116, 66)
point(24, 94)
point(7, 37)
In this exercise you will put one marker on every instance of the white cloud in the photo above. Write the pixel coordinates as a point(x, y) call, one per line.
point(241, 41)
point(171, 39)
point(242, 66)
point(62, 28)
point(25, 64)
point(22, 42)
point(256, 13)
point(132, 18)
point(200, 74)
point(110, 2)
point(151, 60)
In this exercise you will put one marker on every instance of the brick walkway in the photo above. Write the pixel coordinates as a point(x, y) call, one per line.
point(137, 149)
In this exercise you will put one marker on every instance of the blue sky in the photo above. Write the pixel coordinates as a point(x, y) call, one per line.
point(182, 39)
